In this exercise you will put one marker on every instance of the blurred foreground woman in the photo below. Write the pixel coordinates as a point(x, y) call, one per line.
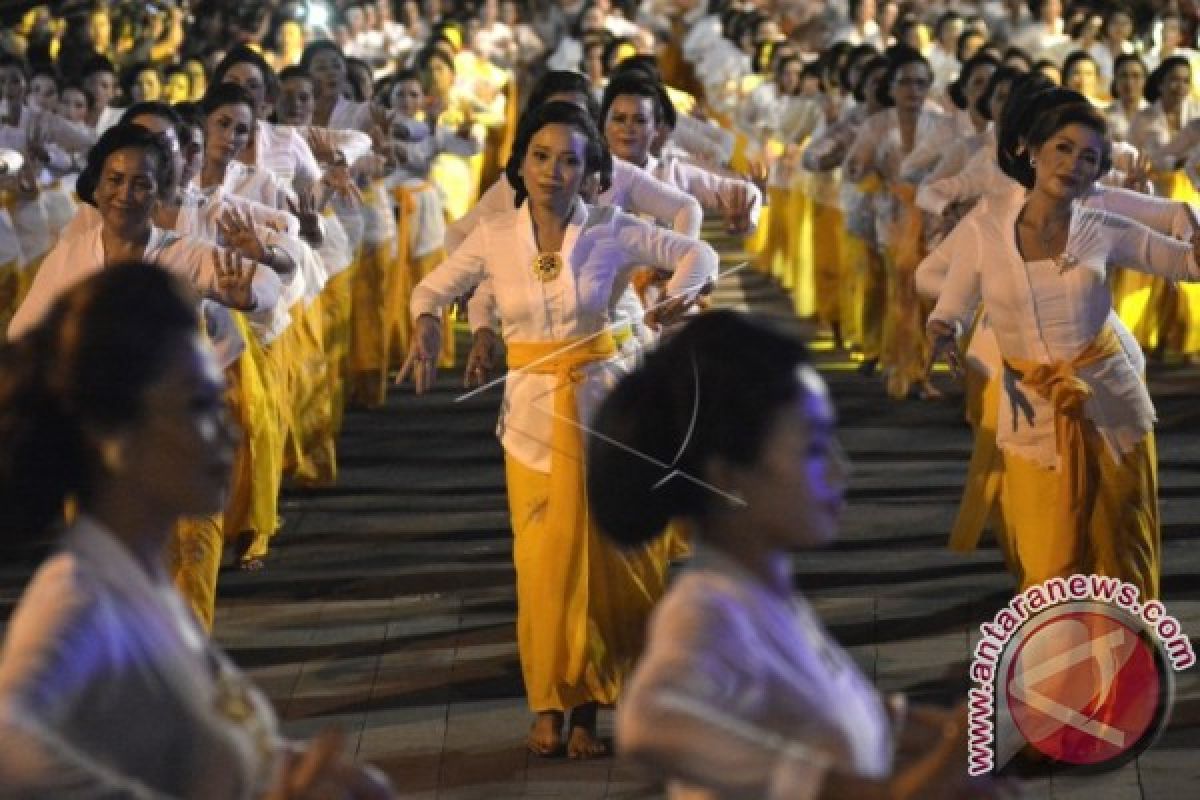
point(741, 691)
point(108, 686)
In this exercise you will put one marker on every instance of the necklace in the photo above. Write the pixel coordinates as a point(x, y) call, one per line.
point(547, 264)
point(1046, 233)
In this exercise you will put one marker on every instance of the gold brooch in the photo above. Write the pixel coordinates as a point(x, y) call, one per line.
point(547, 266)
point(1065, 262)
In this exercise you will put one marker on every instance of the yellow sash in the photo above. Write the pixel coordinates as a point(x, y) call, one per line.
point(1067, 392)
point(566, 510)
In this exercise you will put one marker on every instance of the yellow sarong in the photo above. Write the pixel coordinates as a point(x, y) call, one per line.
point(581, 603)
point(1105, 511)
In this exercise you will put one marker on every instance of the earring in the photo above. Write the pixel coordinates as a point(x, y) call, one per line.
point(112, 455)
point(1033, 162)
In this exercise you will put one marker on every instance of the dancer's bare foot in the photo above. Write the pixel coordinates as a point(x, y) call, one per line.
point(545, 735)
point(582, 742)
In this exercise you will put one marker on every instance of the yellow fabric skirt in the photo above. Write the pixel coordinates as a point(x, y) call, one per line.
point(312, 439)
point(853, 252)
point(367, 363)
point(874, 303)
point(194, 558)
point(827, 228)
point(253, 505)
point(1123, 535)
point(772, 256)
point(904, 354)
point(800, 246)
point(336, 308)
point(615, 590)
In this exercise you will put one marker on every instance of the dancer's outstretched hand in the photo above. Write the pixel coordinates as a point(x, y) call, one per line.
point(423, 355)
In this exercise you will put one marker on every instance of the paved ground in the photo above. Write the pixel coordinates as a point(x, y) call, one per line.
point(387, 605)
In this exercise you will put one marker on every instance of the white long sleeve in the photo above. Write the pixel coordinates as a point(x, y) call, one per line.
point(741, 694)
point(72, 260)
point(711, 190)
point(636, 191)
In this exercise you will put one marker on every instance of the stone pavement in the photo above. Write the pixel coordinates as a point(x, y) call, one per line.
point(387, 604)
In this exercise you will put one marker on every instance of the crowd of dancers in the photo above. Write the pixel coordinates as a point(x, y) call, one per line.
point(329, 191)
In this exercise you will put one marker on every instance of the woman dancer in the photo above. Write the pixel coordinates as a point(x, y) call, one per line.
point(1075, 427)
point(556, 266)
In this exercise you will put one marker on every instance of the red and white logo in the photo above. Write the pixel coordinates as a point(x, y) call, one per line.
point(1084, 686)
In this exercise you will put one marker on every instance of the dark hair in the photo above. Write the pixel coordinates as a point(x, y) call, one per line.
point(860, 88)
point(1042, 64)
point(120, 137)
point(596, 155)
point(943, 20)
point(88, 98)
point(97, 63)
point(710, 391)
point(562, 82)
point(192, 116)
point(858, 56)
point(401, 76)
point(1002, 75)
point(782, 64)
point(85, 367)
point(898, 57)
point(831, 62)
point(1035, 8)
point(1112, 12)
point(1017, 52)
point(45, 71)
point(1074, 58)
point(226, 94)
point(646, 64)
point(156, 109)
point(1120, 61)
point(1030, 93)
point(1055, 111)
point(247, 55)
point(632, 83)
point(643, 68)
point(312, 49)
point(957, 88)
point(1155, 79)
point(130, 75)
point(965, 37)
point(294, 71)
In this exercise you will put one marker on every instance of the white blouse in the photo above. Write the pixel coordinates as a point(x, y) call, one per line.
point(742, 693)
point(878, 149)
point(706, 141)
point(76, 257)
point(108, 688)
point(600, 249)
point(257, 184)
point(1049, 310)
